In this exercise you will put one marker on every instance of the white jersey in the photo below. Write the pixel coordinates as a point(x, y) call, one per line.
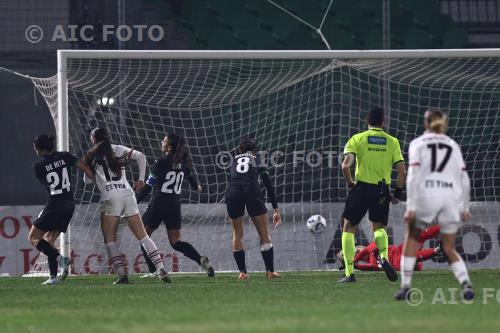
point(110, 184)
point(436, 172)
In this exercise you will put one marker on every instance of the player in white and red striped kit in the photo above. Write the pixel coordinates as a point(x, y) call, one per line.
point(438, 188)
point(118, 199)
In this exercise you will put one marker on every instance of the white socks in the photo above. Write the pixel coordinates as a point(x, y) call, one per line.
point(116, 259)
point(153, 253)
point(460, 271)
point(407, 265)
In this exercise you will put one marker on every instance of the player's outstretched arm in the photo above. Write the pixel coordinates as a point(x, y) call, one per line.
point(87, 171)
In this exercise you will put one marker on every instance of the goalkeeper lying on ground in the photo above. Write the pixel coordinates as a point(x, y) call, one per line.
point(369, 254)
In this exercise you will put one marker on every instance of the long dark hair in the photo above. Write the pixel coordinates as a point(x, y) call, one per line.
point(179, 151)
point(44, 142)
point(102, 149)
point(247, 144)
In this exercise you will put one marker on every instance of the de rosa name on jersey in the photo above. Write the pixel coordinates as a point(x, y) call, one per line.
point(55, 165)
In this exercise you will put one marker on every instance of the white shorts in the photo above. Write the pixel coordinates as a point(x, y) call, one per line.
point(445, 210)
point(122, 206)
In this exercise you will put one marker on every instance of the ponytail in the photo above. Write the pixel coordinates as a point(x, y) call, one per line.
point(436, 120)
point(102, 149)
point(438, 125)
point(178, 148)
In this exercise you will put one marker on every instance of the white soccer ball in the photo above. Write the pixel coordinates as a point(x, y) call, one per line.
point(316, 224)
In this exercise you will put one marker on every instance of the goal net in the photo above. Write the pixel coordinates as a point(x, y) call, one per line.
point(301, 107)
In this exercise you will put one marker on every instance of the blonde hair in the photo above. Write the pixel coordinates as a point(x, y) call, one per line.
point(437, 120)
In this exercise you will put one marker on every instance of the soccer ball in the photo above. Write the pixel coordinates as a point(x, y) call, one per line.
point(316, 224)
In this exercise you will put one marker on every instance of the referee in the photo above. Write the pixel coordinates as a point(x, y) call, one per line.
point(375, 153)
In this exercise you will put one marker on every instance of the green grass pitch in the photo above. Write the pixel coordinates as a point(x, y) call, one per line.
point(299, 302)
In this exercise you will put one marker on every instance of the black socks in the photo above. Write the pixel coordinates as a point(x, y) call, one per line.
point(239, 257)
point(51, 253)
point(268, 257)
point(188, 250)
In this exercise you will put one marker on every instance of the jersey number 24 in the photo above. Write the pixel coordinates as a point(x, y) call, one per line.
point(54, 181)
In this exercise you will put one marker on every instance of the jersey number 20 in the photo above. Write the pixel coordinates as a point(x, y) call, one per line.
point(174, 178)
point(53, 180)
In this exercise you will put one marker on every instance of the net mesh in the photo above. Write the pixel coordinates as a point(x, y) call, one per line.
point(302, 113)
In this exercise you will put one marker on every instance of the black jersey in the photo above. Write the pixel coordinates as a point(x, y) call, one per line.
point(54, 172)
point(245, 169)
point(166, 180)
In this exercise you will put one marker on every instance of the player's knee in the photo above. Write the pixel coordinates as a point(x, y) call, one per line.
point(348, 227)
point(33, 240)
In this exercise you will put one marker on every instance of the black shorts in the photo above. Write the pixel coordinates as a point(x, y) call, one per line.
point(168, 212)
point(54, 217)
point(240, 196)
point(368, 197)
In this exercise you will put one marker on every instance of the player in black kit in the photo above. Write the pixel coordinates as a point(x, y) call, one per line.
point(165, 180)
point(54, 172)
point(244, 191)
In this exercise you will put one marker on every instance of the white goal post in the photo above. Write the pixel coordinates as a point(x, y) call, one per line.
point(284, 86)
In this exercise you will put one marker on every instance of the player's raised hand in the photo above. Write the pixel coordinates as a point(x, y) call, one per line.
point(138, 185)
point(276, 218)
point(465, 216)
point(409, 216)
point(199, 189)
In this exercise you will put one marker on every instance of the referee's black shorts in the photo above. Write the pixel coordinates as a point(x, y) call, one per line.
point(240, 196)
point(368, 197)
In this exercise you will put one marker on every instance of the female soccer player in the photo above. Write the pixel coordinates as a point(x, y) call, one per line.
point(438, 188)
point(54, 172)
point(118, 199)
point(165, 206)
point(371, 255)
point(244, 191)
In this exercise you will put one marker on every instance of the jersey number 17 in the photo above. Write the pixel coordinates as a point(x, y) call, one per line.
point(434, 148)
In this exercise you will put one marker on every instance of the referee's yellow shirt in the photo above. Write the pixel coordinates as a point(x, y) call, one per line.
point(376, 153)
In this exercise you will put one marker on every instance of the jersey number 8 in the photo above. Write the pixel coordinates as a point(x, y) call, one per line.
point(54, 181)
point(174, 178)
point(242, 165)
